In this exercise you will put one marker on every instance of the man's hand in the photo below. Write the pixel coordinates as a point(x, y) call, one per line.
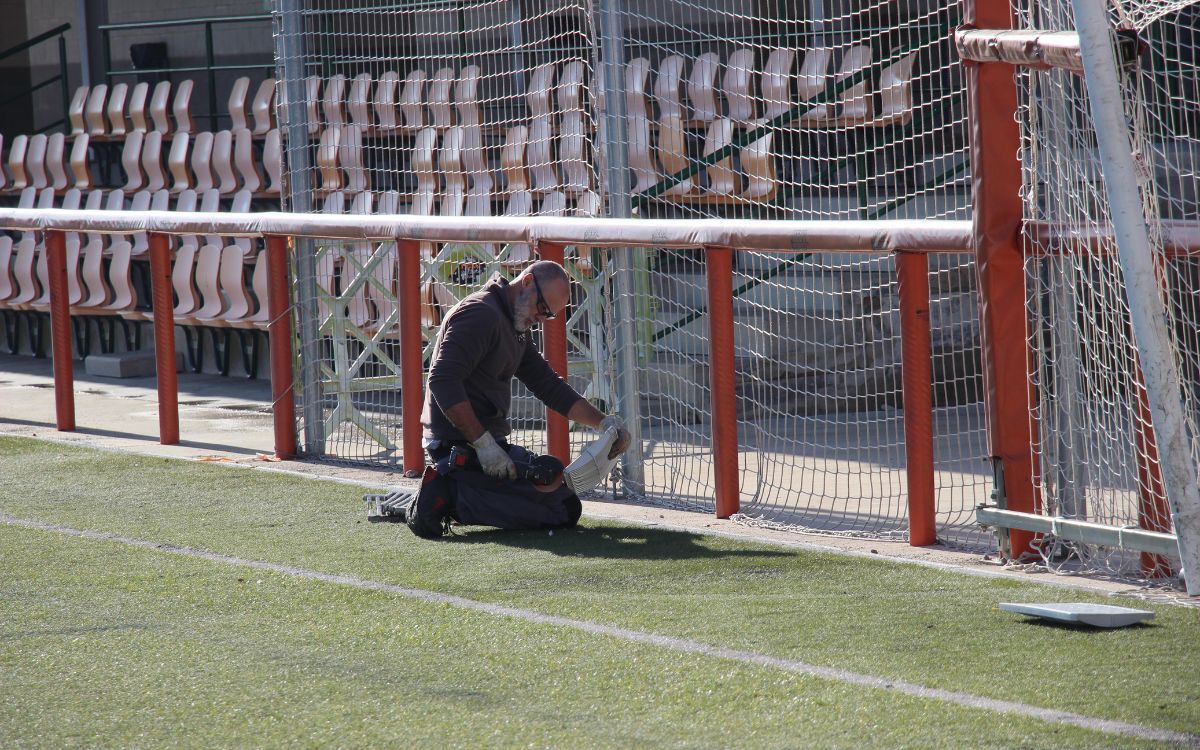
point(492, 458)
point(613, 422)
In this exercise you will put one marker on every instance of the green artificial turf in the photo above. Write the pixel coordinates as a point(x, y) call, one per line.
point(142, 648)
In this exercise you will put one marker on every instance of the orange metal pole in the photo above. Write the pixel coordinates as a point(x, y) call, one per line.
point(279, 303)
point(555, 333)
point(164, 338)
point(722, 379)
point(912, 270)
point(996, 178)
point(412, 347)
point(1153, 513)
point(60, 331)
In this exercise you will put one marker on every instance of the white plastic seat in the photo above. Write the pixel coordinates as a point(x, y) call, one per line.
point(813, 76)
point(350, 156)
point(116, 109)
point(359, 101)
point(777, 82)
point(637, 125)
point(572, 137)
point(273, 161)
point(701, 87)
point(201, 162)
point(312, 103)
point(237, 103)
point(246, 166)
point(56, 164)
point(181, 107)
point(177, 162)
point(539, 145)
point(895, 89)
point(737, 85)
point(17, 151)
point(160, 99)
point(93, 113)
point(131, 162)
point(222, 162)
point(152, 165)
point(412, 99)
point(81, 164)
point(384, 101)
point(263, 107)
point(35, 161)
point(440, 114)
point(139, 104)
point(333, 101)
point(75, 111)
point(328, 149)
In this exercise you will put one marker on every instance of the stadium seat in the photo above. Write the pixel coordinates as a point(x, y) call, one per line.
point(56, 164)
point(777, 82)
point(327, 160)
point(93, 112)
point(263, 107)
point(181, 108)
point(333, 101)
point(539, 149)
point(222, 162)
point(637, 124)
point(273, 161)
point(177, 162)
point(701, 88)
point(35, 161)
point(814, 74)
point(75, 111)
point(238, 103)
point(17, 151)
point(250, 176)
point(139, 106)
point(152, 165)
point(201, 161)
point(117, 115)
point(350, 156)
point(412, 100)
point(312, 103)
point(895, 89)
point(81, 163)
point(572, 135)
point(131, 162)
point(440, 114)
point(384, 101)
point(738, 87)
point(359, 102)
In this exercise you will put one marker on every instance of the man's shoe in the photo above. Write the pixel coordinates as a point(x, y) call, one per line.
point(430, 515)
point(390, 508)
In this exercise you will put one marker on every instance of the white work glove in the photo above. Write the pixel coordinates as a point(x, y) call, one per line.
point(613, 422)
point(492, 458)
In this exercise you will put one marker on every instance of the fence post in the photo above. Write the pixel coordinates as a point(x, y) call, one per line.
point(722, 378)
point(60, 331)
point(279, 303)
point(912, 271)
point(412, 351)
point(555, 341)
point(164, 338)
point(1000, 268)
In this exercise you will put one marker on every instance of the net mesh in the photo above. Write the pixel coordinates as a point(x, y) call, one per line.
point(780, 110)
point(1095, 449)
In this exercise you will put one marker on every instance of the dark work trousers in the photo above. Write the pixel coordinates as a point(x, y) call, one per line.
point(506, 503)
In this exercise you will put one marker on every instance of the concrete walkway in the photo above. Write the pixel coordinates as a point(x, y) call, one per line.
point(227, 420)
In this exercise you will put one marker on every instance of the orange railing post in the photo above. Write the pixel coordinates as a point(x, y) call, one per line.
point(279, 303)
point(912, 272)
point(555, 332)
point(164, 338)
point(1000, 268)
point(412, 348)
point(722, 379)
point(60, 331)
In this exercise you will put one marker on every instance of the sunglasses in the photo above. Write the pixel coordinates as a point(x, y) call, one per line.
point(542, 308)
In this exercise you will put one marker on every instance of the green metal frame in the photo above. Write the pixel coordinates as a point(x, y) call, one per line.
point(60, 79)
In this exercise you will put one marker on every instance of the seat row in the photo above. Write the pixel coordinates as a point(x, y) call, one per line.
point(107, 279)
point(110, 111)
point(725, 104)
point(229, 160)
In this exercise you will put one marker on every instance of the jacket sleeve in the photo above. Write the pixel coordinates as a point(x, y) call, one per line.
point(458, 354)
point(541, 379)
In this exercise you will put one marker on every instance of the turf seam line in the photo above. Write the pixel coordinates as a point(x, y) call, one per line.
point(684, 645)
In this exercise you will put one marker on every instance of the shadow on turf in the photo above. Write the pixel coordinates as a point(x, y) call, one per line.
point(629, 542)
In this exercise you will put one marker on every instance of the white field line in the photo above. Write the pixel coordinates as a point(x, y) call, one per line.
point(636, 636)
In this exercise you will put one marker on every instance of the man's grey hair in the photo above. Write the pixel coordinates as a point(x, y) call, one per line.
point(546, 271)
